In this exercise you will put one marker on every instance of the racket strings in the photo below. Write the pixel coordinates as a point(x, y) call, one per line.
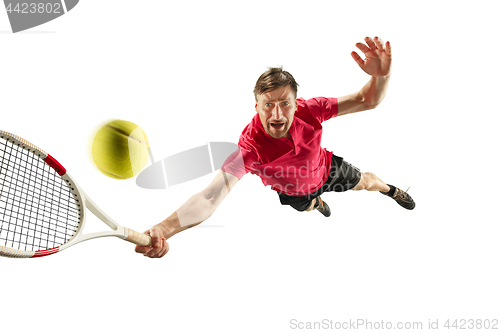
point(37, 208)
point(24, 208)
point(39, 195)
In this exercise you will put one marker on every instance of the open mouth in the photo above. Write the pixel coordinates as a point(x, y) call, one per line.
point(277, 125)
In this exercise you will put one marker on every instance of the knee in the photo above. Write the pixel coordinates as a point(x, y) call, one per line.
point(365, 182)
point(369, 176)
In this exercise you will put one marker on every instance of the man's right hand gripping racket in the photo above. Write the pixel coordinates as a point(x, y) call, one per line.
point(42, 209)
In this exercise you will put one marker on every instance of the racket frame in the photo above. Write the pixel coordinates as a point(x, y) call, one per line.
point(82, 201)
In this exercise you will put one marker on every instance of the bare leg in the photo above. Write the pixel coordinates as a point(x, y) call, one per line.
point(312, 205)
point(371, 182)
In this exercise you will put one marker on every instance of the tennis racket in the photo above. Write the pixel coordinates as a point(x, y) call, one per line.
point(42, 209)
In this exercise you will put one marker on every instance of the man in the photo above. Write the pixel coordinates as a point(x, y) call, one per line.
point(282, 146)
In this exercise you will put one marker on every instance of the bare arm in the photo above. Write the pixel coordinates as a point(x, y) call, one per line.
point(195, 210)
point(377, 63)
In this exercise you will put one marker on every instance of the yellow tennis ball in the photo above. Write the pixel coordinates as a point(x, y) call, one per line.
point(120, 149)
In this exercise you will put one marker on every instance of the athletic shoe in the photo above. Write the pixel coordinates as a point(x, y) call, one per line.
point(322, 207)
point(401, 197)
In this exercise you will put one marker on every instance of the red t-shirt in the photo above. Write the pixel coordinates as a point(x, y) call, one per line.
point(295, 167)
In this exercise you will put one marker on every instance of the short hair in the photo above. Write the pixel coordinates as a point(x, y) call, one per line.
point(272, 79)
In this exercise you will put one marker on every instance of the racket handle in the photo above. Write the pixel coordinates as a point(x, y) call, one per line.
point(138, 238)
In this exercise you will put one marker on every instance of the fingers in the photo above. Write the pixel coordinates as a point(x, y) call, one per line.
point(379, 43)
point(358, 59)
point(363, 48)
point(158, 250)
point(159, 245)
point(370, 43)
point(164, 248)
point(156, 235)
point(373, 45)
point(144, 249)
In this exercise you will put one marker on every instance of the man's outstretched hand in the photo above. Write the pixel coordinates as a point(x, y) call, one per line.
point(377, 60)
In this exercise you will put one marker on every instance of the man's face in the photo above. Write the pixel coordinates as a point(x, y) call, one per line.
point(276, 109)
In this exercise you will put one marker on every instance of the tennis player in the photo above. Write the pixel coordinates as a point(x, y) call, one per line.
point(282, 145)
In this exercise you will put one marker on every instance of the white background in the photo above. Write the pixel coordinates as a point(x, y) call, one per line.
point(184, 71)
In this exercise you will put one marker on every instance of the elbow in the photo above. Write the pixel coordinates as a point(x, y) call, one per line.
point(366, 102)
point(208, 195)
point(210, 198)
point(371, 105)
point(371, 102)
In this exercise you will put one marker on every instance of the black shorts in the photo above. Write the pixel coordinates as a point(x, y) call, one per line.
point(343, 177)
